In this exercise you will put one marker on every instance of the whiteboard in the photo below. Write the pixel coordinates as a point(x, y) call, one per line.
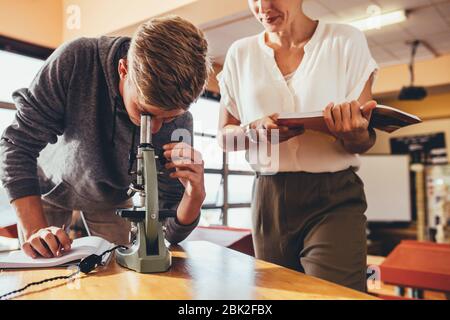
point(387, 187)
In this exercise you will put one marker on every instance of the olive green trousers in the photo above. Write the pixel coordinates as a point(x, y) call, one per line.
point(313, 223)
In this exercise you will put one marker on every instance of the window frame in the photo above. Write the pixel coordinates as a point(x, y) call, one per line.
point(225, 172)
point(25, 48)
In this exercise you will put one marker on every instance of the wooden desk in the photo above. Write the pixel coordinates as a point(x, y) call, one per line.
point(391, 291)
point(200, 270)
point(233, 238)
point(419, 265)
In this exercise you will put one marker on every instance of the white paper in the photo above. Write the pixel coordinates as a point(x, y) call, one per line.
point(81, 248)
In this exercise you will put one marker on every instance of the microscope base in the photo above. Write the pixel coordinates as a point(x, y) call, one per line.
point(136, 257)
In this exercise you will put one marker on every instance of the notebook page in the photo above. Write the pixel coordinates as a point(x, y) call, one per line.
point(81, 248)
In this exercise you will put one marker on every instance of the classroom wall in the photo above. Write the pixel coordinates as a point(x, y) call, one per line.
point(106, 16)
point(38, 22)
point(429, 73)
point(203, 13)
point(435, 106)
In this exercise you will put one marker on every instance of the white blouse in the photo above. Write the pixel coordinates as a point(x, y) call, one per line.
point(335, 68)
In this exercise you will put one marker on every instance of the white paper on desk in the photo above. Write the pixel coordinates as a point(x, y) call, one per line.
point(81, 248)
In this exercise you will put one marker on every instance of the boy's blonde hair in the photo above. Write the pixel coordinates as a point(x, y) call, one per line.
point(168, 62)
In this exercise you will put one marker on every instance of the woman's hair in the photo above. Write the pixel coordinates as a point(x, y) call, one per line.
point(168, 62)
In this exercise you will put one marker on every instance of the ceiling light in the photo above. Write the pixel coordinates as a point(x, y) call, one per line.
point(379, 21)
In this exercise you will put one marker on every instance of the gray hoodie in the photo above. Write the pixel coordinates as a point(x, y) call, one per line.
point(71, 136)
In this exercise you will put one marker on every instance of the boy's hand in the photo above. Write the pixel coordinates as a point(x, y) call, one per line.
point(189, 168)
point(47, 242)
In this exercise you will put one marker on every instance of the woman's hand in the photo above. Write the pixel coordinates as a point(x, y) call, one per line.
point(349, 122)
point(189, 169)
point(47, 242)
point(267, 129)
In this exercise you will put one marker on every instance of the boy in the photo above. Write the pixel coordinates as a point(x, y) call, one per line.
point(86, 101)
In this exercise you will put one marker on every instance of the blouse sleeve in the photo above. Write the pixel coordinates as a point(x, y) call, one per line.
point(360, 64)
point(225, 79)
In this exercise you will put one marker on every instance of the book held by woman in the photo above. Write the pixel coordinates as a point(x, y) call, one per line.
point(383, 118)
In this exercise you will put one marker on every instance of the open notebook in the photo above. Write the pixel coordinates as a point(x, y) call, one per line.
point(81, 248)
point(384, 118)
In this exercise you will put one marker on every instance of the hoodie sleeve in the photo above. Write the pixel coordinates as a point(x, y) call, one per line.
point(39, 120)
point(171, 190)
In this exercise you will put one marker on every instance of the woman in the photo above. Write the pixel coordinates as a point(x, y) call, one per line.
point(309, 216)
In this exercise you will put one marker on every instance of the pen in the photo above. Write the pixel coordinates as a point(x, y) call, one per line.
point(60, 248)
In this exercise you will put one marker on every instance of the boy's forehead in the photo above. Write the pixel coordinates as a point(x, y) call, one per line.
point(155, 110)
point(162, 113)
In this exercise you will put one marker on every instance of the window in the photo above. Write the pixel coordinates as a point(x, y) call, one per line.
point(206, 115)
point(240, 218)
point(211, 152)
point(240, 188)
point(7, 216)
point(6, 118)
point(213, 185)
point(228, 177)
point(19, 63)
point(237, 161)
point(17, 72)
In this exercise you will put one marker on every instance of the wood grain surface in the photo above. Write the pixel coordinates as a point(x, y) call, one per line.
point(200, 270)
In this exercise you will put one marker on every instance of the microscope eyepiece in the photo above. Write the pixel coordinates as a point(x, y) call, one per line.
point(146, 129)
